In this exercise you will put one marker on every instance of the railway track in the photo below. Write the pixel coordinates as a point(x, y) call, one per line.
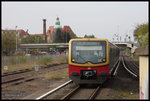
point(16, 81)
point(116, 66)
point(28, 70)
point(132, 61)
point(78, 90)
point(92, 91)
point(130, 66)
point(53, 90)
point(82, 93)
point(18, 77)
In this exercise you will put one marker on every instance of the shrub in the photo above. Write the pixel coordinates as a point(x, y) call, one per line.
point(45, 61)
point(23, 60)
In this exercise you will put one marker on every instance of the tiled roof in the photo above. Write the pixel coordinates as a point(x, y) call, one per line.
point(22, 32)
point(68, 29)
point(64, 29)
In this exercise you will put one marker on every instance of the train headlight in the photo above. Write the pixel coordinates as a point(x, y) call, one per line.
point(104, 60)
point(73, 60)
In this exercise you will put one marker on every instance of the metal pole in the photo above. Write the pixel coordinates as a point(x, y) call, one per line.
point(16, 38)
point(66, 37)
point(118, 32)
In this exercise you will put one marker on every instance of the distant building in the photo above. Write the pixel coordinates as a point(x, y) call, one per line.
point(52, 31)
point(21, 33)
point(85, 36)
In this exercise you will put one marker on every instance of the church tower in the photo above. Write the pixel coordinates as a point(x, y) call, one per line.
point(57, 24)
point(57, 35)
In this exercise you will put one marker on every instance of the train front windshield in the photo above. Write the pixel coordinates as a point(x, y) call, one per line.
point(88, 51)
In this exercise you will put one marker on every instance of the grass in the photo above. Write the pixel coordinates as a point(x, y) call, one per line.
point(60, 60)
point(27, 65)
point(18, 66)
point(57, 75)
point(45, 61)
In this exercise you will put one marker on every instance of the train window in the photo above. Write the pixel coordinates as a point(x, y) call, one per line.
point(88, 51)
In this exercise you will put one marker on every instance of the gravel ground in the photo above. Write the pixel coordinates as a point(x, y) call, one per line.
point(27, 88)
point(123, 86)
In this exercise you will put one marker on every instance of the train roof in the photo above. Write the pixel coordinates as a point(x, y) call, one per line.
point(92, 39)
point(89, 39)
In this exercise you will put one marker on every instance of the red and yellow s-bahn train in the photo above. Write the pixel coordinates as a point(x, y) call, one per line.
point(91, 61)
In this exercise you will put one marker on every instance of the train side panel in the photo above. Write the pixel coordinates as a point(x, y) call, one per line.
point(113, 56)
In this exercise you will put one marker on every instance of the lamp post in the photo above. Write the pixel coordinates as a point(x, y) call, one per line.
point(66, 37)
point(16, 38)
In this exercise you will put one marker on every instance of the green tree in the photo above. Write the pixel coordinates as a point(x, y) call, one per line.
point(75, 37)
point(9, 42)
point(90, 36)
point(141, 34)
point(32, 39)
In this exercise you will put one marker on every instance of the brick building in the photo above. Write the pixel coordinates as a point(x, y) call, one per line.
point(20, 32)
point(49, 34)
point(52, 29)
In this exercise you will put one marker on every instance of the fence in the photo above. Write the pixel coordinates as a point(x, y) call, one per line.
point(14, 60)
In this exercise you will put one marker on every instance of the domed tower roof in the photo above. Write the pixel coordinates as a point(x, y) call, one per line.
point(57, 24)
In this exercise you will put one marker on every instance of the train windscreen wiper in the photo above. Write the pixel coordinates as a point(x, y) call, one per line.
point(82, 58)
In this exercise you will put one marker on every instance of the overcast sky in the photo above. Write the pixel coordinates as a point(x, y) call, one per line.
point(102, 19)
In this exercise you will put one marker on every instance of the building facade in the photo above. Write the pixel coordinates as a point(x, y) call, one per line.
point(50, 34)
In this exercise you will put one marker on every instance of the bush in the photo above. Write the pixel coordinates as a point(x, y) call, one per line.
point(13, 60)
point(45, 61)
point(23, 60)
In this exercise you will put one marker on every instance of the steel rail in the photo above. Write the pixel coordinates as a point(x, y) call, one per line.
point(70, 93)
point(28, 70)
point(130, 64)
point(128, 69)
point(135, 69)
point(15, 72)
point(133, 62)
point(114, 66)
point(117, 67)
point(53, 90)
point(93, 95)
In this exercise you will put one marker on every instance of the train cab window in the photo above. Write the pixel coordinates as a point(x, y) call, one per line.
point(88, 51)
